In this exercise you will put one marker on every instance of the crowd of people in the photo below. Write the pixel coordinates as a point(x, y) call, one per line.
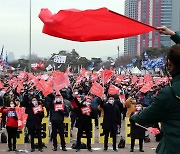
point(77, 102)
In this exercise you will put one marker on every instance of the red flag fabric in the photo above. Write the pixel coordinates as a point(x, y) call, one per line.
point(140, 82)
point(97, 89)
point(60, 81)
point(122, 99)
point(119, 79)
point(134, 79)
point(147, 78)
point(90, 25)
point(67, 72)
point(113, 90)
point(44, 87)
point(94, 77)
point(146, 87)
point(154, 131)
point(1, 85)
point(20, 111)
point(106, 75)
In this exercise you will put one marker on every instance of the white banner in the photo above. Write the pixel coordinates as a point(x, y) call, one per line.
point(59, 59)
point(34, 65)
point(49, 67)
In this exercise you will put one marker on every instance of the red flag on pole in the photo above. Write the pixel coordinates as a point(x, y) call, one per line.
point(97, 89)
point(90, 25)
point(113, 90)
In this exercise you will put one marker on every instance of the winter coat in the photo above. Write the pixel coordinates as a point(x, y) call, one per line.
point(136, 131)
point(111, 116)
point(58, 116)
point(12, 119)
point(33, 120)
point(165, 109)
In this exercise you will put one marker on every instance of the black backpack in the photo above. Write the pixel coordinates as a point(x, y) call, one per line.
point(3, 138)
point(121, 143)
point(83, 146)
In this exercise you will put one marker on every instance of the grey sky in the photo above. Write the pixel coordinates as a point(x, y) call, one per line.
point(14, 28)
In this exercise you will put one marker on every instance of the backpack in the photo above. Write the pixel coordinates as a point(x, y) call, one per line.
point(3, 138)
point(121, 143)
point(83, 146)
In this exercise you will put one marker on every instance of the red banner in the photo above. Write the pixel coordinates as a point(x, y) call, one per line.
point(59, 107)
point(37, 109)
point(60, 81)
point(97, 90)
point(86, 110)
point(113, 90)
point(134, 79)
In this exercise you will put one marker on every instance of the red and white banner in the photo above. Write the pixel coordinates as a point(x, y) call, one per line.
point(37, 109)
point(86, 110)
point(113, 90)
point(97, 90)
point(59, 107)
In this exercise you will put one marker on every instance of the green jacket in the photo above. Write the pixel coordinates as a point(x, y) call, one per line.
point(176, 38)
point(165, 109)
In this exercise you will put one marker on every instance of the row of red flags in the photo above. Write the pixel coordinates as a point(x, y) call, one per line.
point(59, 80)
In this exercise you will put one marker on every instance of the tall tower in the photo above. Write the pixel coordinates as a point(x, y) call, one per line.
point(130, 43)
point(149, 12)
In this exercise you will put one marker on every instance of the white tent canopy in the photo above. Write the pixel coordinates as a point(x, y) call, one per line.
point(135, 70)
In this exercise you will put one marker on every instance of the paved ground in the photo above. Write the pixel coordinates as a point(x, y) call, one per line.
point(149, 148)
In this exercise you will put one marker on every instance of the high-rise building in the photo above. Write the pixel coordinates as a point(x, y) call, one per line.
point(149, 12)
point(130, 43)
point(166, 20)
point(155, 13)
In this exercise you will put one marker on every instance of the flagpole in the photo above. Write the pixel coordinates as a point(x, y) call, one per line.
point(30, 36)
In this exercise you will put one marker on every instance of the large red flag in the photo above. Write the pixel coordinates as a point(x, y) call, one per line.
point(97, 89)
point(113, 90)
point(90, 25)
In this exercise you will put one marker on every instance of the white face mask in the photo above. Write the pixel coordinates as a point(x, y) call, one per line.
point(31, 93)
point(76, 93)
point(12, 105)
point(58, 100)
point(138, 108)
point(35, 103)
point(111, 101)
point(88, 103)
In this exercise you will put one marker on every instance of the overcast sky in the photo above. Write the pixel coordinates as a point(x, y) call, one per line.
point(14, 28)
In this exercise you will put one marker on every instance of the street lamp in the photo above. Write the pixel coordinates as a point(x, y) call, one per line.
point(30, 36)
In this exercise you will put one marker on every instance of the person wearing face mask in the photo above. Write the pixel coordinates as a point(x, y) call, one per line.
point(35, 114)
point(84, 122)
point(11, 125)
point(74, 112)
point(165, 107)
point(58, 110)
point(137, 132)
point(111, 121)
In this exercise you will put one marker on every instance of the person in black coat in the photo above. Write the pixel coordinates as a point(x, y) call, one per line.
point(35, 114)
point(137, 132)
point(84, 122)
point(57, 112)
point(111, 121)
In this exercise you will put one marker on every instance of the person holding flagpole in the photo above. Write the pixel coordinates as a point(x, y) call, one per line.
point(166, 105)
